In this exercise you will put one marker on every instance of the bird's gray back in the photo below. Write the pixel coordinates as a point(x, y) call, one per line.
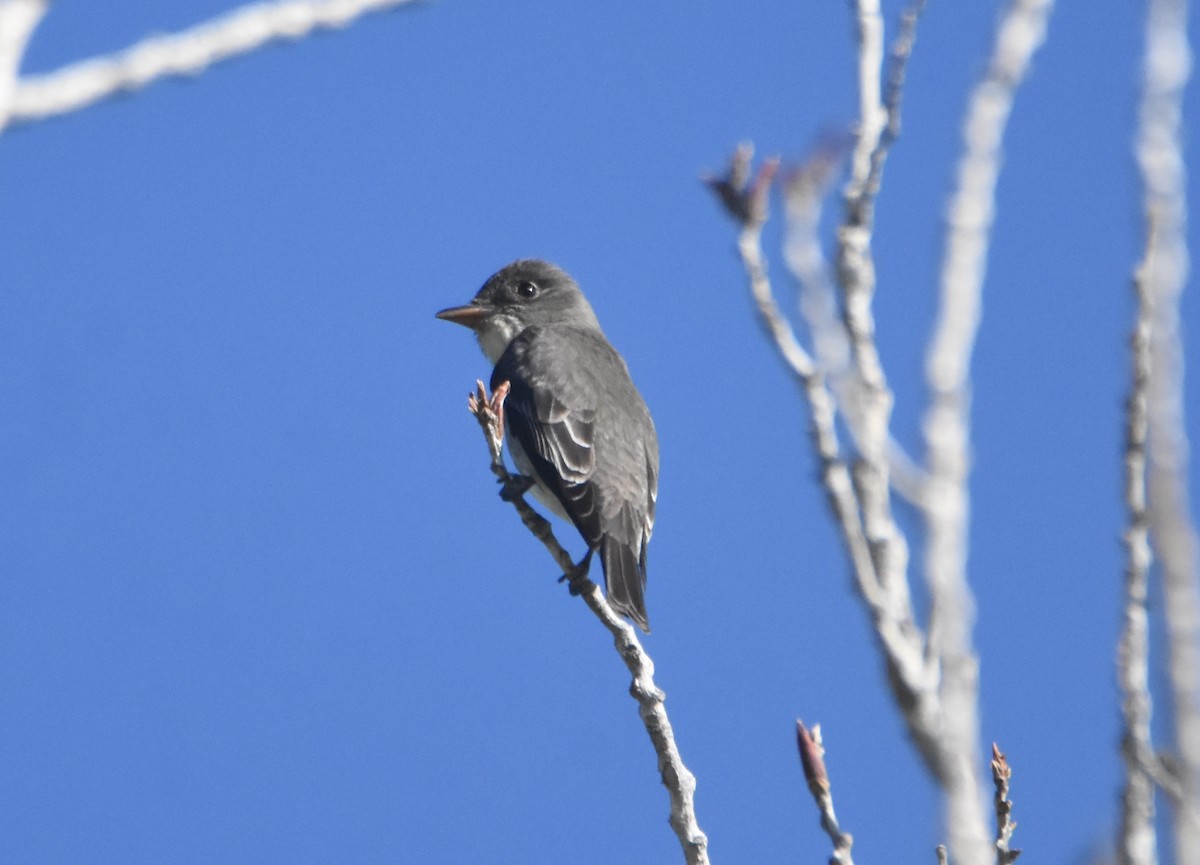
point(575, 378)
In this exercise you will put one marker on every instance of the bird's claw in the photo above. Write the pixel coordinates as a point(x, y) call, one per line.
point(515, 486)
point(577, 580)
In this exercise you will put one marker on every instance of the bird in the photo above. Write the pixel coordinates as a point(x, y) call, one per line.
point(574, 421)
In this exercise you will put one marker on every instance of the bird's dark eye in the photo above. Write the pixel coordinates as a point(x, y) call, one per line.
point(527, 289)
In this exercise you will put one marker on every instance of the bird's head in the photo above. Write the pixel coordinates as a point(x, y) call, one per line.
point(526, 293)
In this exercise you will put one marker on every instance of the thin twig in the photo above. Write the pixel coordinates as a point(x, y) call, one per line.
point(905, 663)
point(679, 781)
point(812, 760)
point(187, 52)
point(916, 694)
point(855, 268)
point(804, 196)
point(946, 424)
point(1005, 824)
point(804, 191)
point(1137, 842)
point(913, 681)
point(893, 93)
point(1166, 69)
point(856, 277)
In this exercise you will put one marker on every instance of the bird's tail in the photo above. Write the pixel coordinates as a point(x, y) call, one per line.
point(625, 578)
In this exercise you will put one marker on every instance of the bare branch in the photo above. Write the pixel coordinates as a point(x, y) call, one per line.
point(912, 679)
point(1166, 68)
point(893, 93)
point(872, 116)
point(812, 760)
point(804, 197)
point(18, 20)
point(941, 713)
point(923, 707)
point(805, 189)
point(907, 476)
point(188, 52)
point(873, 402)
point(1137, 842)
point(855, 263)
point(878, 126)
point(835, 476)
point(1001, 773)
point(679, 781)
point(1020, 31)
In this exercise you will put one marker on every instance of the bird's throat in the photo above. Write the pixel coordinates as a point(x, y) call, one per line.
point(496, 333)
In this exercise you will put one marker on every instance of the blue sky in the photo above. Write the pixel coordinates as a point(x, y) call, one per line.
point(260, 602)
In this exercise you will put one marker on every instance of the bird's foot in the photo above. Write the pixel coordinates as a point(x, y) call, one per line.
point(577, 580)
point(515, 486)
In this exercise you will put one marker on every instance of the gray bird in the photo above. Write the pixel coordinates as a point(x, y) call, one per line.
point(575, 423)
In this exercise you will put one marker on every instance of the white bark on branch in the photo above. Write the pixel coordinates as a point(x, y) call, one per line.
point(804, 191)
point(946, 425)
point(804, 195)
point(1166, 69)
point(912, 678)
point(940, 707)
point(1137, 841)
point(188, 52)
point(835, 475)
point(861, 498)
point(18, 20)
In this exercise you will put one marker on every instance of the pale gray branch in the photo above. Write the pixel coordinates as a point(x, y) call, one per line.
point(912, 679)
point(188, 52)
point(946, 425)
point(1137, 842)
point(18, 20)
point(1166, 69)
point(804, 197)
point(907, 476)
point(679, 781)
point(919, 698)
point(860, 499)
point(823, 424)
point(893, 92)
point(878, 125)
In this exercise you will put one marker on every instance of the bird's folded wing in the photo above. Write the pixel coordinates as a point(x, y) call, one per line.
point(558, 441)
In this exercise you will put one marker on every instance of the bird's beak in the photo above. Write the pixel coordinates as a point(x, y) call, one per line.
point(471, 315)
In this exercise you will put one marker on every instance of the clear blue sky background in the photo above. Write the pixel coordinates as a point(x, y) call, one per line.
point(259, 601)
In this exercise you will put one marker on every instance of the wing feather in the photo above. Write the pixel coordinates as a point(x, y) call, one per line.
point(571, 397)
point(553, 418)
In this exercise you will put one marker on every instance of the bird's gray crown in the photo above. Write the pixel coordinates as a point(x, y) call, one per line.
point(537, 293)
